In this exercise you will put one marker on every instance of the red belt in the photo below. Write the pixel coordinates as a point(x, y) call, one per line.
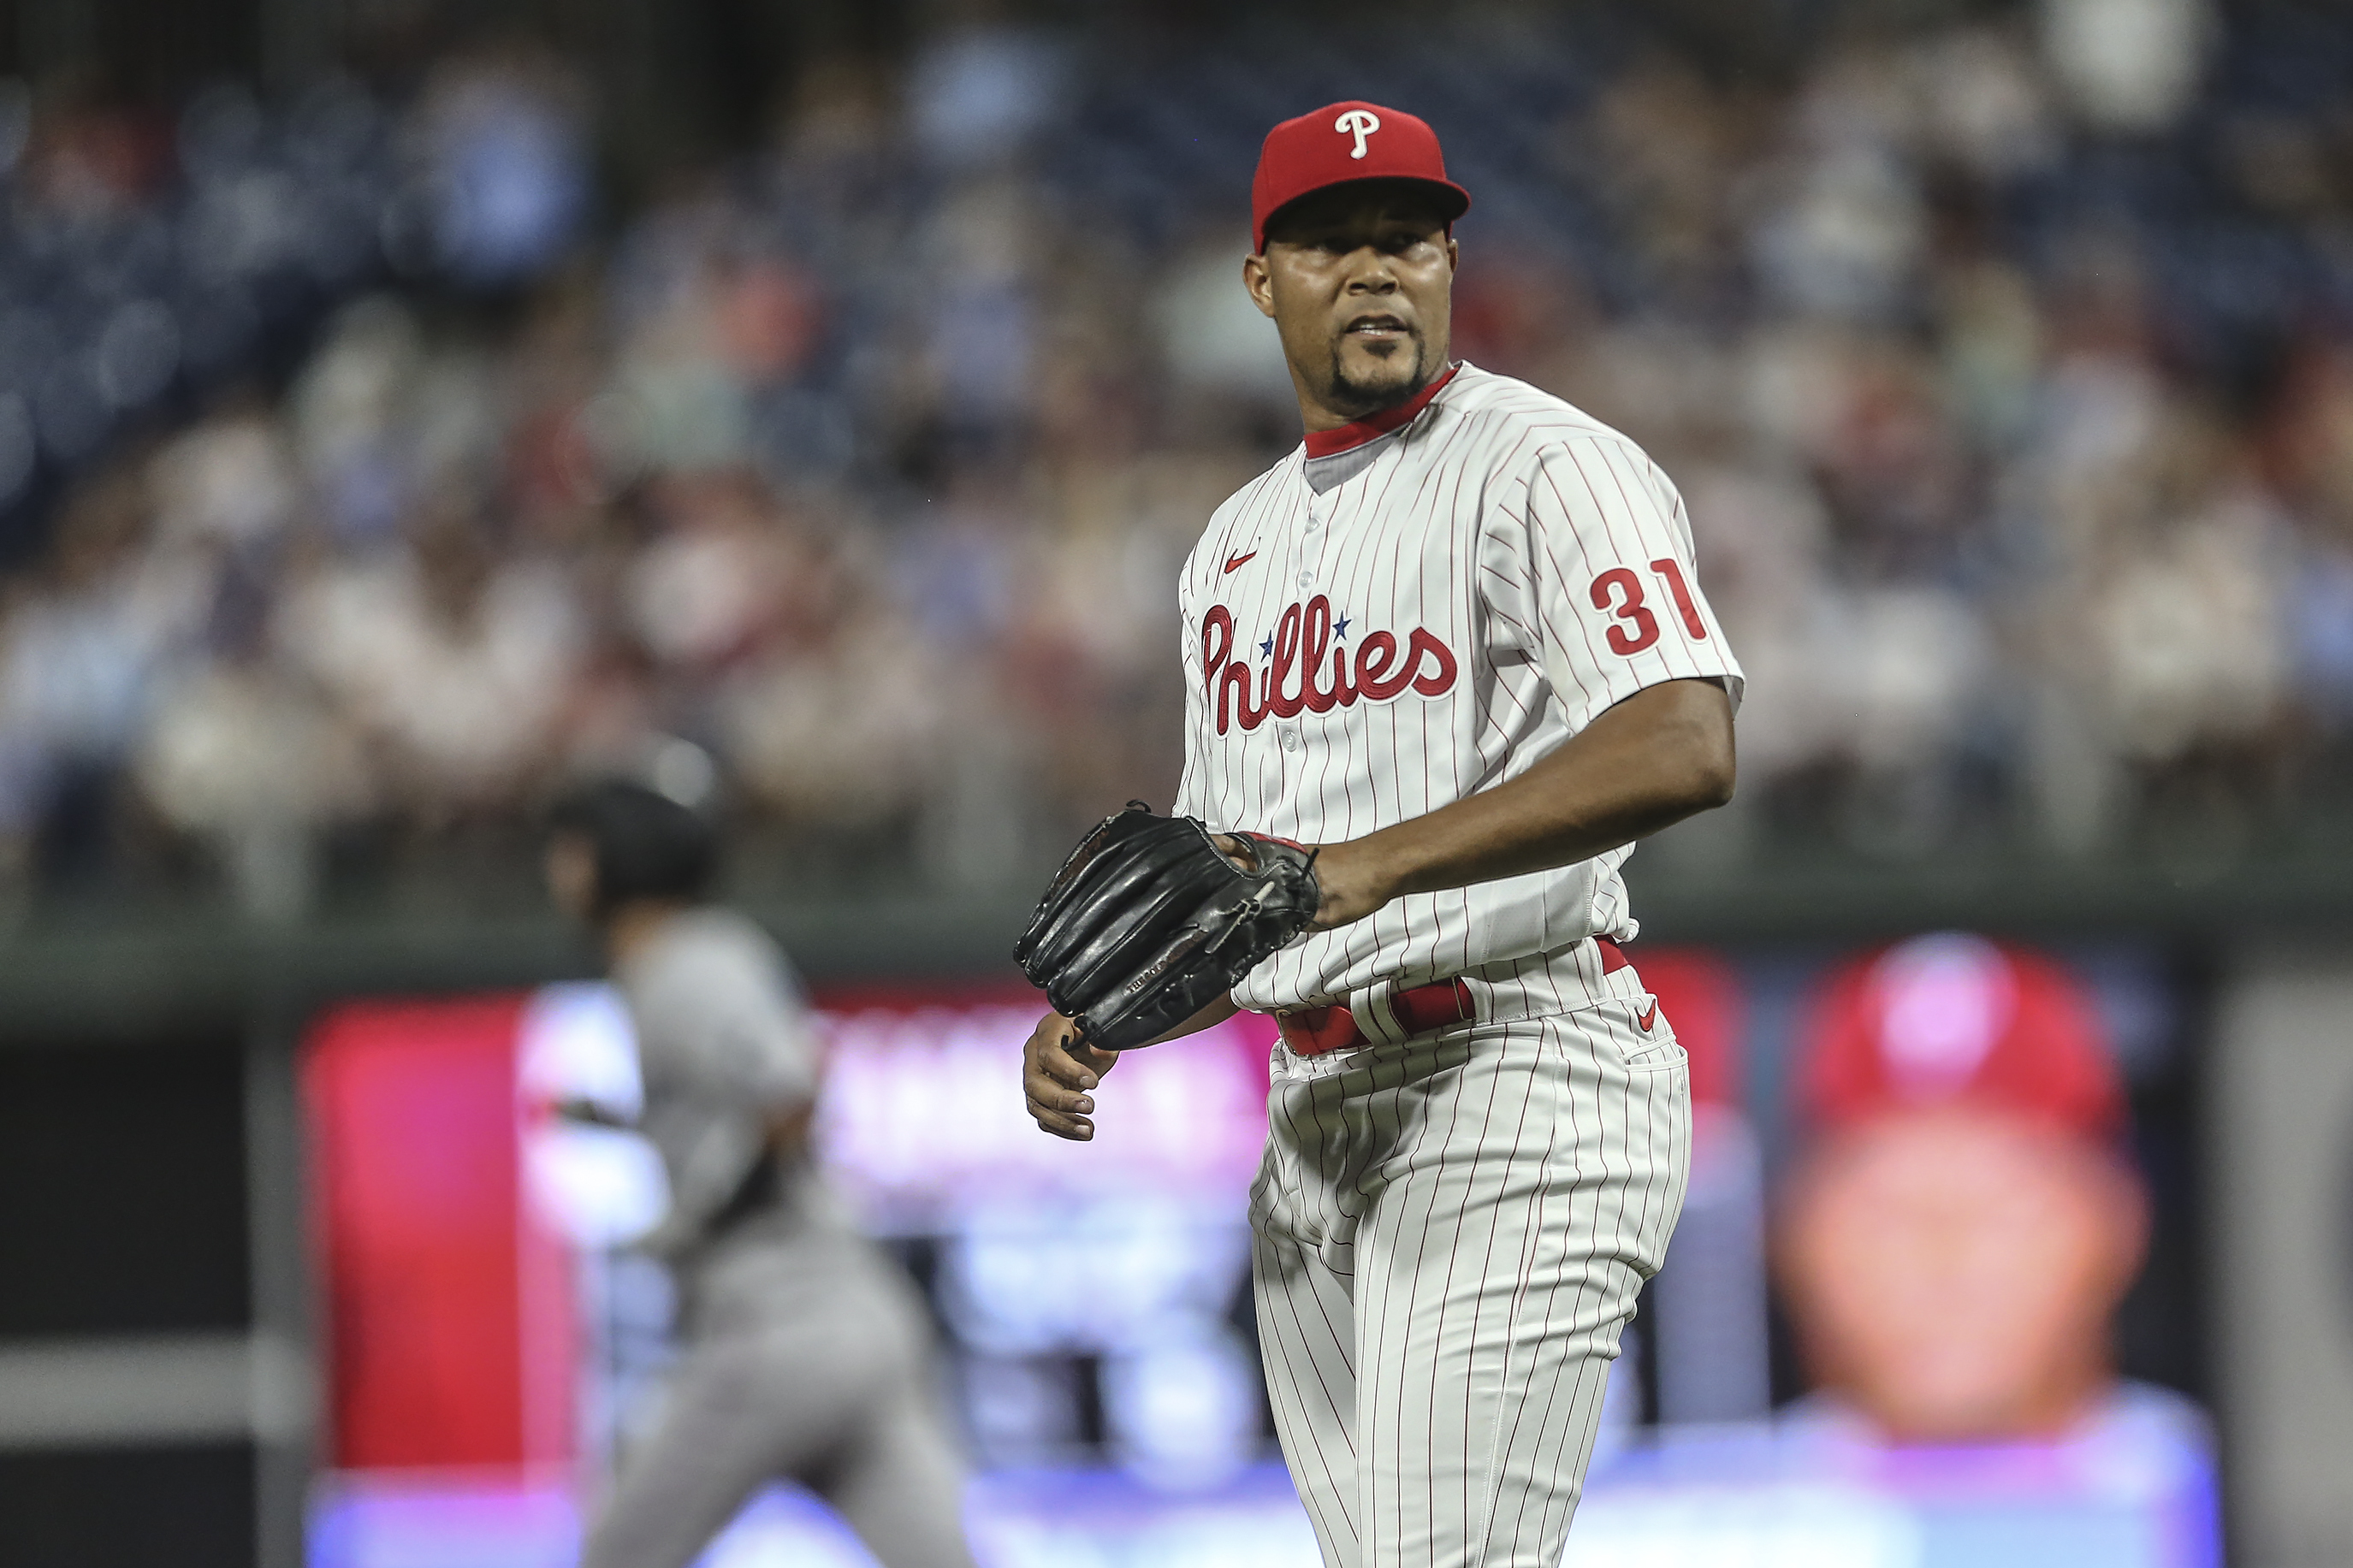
point(1315, 1031)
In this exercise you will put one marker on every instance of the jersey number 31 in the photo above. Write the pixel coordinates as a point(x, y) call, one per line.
point(1619, 591)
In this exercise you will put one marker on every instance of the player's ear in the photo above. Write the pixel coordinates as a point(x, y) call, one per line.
point(2123, 1200)
point(1261, 284)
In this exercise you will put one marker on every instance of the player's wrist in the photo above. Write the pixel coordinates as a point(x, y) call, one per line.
point(1354, 879)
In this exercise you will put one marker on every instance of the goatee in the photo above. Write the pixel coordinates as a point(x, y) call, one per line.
point(1364, 400)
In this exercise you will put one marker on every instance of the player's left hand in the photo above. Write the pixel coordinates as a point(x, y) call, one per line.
point(1057, 1081)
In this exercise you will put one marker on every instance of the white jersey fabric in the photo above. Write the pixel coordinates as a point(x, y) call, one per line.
point(1398, 615)
point(1451, 1230)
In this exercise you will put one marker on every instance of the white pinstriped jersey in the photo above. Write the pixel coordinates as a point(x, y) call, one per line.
point(1376, 633)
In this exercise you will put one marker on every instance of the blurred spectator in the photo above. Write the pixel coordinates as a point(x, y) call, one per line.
point(847, 729)
point(2014, 445)
point(228, 484)
point(2130, 65)
point(975, 96)
point(251, 759)
point(78, 659)
point(1212, 338)
point(501, 140)
point(453, 663)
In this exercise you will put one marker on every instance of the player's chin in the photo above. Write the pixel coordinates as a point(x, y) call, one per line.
point(1378, 373)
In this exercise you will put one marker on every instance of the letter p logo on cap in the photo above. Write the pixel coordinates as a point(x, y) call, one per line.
point(1363, 121)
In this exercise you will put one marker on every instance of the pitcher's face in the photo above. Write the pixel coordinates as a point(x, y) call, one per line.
point(1359, 282)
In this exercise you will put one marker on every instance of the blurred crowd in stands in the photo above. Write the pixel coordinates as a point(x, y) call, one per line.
point(361, 481)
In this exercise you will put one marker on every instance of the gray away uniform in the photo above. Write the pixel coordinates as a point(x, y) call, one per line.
point(807, 1352)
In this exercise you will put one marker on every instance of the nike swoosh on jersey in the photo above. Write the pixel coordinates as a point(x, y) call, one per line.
point(1240, 561)
point(1649, 1016)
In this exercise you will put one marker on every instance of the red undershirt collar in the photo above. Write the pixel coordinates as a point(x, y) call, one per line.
point(1332, 443)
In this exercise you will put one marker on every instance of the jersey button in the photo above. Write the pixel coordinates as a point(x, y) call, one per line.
point(1307, 579)
point(1291, 739)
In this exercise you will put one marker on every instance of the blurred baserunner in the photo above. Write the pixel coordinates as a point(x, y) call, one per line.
point(806, 1353)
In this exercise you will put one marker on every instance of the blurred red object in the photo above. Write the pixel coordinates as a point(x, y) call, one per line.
point(1953, 1019)
point(771, 317)
point(449, 1306)
point(1702, 999)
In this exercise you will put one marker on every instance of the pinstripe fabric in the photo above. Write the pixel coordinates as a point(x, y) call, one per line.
point(1518, 537)
point(1449, 1235)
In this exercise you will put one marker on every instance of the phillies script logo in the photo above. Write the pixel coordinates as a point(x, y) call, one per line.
point(1302, 641)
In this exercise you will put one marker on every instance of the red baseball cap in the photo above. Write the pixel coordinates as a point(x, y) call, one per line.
point(1957, 1020)
point(1341, 143)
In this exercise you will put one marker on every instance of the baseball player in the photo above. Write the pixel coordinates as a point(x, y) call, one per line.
point(806, 1350)
point(1454, 643)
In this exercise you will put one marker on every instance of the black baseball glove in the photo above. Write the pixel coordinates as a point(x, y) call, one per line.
point(1149, 921)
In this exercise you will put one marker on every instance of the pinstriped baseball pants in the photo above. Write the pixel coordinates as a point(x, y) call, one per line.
point(1449, 1235)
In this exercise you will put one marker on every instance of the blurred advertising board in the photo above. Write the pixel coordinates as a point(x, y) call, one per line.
point(492, 1335)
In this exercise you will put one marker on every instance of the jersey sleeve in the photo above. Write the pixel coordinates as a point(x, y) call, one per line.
point(1595, 572)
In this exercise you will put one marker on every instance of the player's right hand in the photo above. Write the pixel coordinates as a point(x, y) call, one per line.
point(1058, 1082)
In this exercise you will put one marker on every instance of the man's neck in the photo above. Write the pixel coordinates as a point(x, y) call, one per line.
point(1326, 439)
point(633, 927)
